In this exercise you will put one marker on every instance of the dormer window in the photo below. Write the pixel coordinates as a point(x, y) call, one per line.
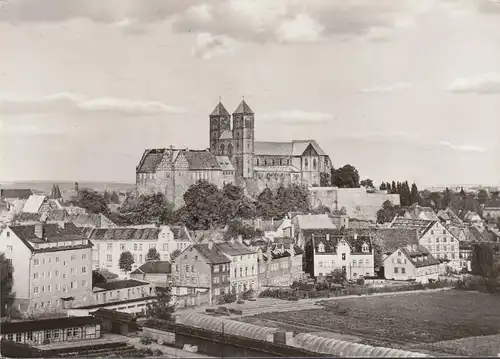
point(321, 248)
point(365, 248)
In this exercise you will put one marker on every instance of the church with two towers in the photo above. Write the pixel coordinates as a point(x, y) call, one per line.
point(234, 157)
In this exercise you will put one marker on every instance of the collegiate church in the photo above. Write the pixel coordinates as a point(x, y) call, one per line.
point(233, 157)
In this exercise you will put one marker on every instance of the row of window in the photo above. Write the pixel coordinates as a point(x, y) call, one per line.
point(437, 240)
point(364, 248)
point(222, 279)
point(48, 260)
point(271, 162)
point(48, 288)
point(42, 275)
point(47, 304)
point(355, 263)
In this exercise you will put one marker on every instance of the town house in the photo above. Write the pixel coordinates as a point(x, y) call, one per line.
point(201, 267)
point(434, 236)
point(112, 242)
point(351, 253)
point(244, 265)
point(305, 224)
point(411, 262)
point(52, 266)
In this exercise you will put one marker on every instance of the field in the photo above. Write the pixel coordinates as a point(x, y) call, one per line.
point(403, 321)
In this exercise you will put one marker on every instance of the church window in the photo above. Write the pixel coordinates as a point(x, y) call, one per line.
point(315, 164)
point(306, 162)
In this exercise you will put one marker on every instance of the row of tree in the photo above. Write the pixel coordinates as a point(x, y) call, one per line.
point(407, 196)
point(126, 259)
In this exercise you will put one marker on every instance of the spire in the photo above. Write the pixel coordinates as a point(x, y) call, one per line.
point(220, 110)
point(243, 108)
point(56, 192)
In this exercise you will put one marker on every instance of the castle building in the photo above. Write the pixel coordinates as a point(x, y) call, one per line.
point(233, 156)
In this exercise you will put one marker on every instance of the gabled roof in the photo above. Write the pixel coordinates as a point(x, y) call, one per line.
point(273, 148)
point(225, 163)
point(220, 110)
point(270, 226)
point(392, 238)
point(201, 160)
point(314, 221)
point(243, 108)
point(150, 160)
point(226, 135)
point(418, 212)
point(330, 243)
point(122, 233)
point(52, 233)
point(154, 267)
point(28, 217)
point(89, 220)
point(34, 203)
point(233, 249)
point(299, 146)
point(119, 284)
point(418, 255)
point(114, 315)
point(15, 193)
point(212, 255)
point(421, 224)
point(180, 233)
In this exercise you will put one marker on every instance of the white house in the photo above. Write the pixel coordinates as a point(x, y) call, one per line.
point(110, 243)
point(351, 253)
point(411, 261)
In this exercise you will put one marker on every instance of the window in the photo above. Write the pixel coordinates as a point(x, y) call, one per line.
point(429, 240)
point(109, 258)
point(187, 268)
point(84, 269)
point(444, 239)
point(192, 269)
point(73, 285)
point(165, 246)
point(57, 259)
point(58, 287)
point(365, 248)
point(18, 337)
point(122, 247)
point(306, 162)
point(49, 288)
point(396, 269)
point(354, 263)
point(315, 164)
point(437, 248)
point(84, 256)
point(35, 290)
point(73, 270)
point(35, 275)
point(48, 274)
point(64, 276)
point(140, 247)
point(403, 270)
point(9, 248)
point(110, 246)
point(235, 273)
point(140, 258)
point(29, 336)
point(135, 246)
point(241, 272)
point(36, 261)
point(73, 257)
point(432, 232)
point(444, 231)
point(343, 256)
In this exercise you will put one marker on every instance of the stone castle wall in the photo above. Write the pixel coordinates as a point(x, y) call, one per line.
point(358, 203)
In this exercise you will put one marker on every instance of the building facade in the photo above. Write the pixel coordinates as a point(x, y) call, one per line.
point(233, 156)
point(110, 243)
point(52, 267)
point(202, 266)
point(280, 264)
point(411, 262)
point(350, 253)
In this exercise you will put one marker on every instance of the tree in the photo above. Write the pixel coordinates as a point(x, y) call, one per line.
point(367, 183)
point(266, 207)
point(483, 260)
point(147, 209)
point(325, 179)
point(236, 228)
point(386, 213)
point(345, 177)
point(482, 196)
point(115, 198)
point(338, 276)
point(174, 254)
point(414, 195)
point(161, 307)
point(152, 255)
point(125, 262)
point(77, 187)
point(202, 209)
point(90, 200)
point(6, 282)
point(383, 186)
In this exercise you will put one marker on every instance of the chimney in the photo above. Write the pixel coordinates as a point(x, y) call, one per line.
point(171, 152)
point(39, 230)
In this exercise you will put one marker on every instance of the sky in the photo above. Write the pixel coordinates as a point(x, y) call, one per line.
point(401, 89)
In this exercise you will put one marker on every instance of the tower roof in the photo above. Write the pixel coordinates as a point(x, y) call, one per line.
point(244, 109)
point(220, 110)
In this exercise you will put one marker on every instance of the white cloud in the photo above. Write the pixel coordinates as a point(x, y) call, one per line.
point(464, 148)
point(208, 45)
point(303, 28)
point(201, 12)
point(482, 84)
point(297, 117)
point(389, 88)
point(68, 102)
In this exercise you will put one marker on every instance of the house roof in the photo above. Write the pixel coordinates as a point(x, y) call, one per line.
point(226, 135)
point(52, 233)
point(418, 255)
point(201, 160)
point(203, 236)
point(54, 323)
point(150, 160)
point(421, 224)
point(392, 238)
point(119, 284)
point(243, 108)
point(114, 315)
point(33, 203)
point(220, 110)
point(299, 146)
point(180, 233)
point(122, 233)
point(90, 220)
point(15, 193)
point(330, 243)
point(28, 217)
point(418, 212)
point(212, 255)
point(153, 267)
point(276, 169)
point(233, 249)
point(314, 221)
point(225, 163)
point(273, 148)
point(271, 226)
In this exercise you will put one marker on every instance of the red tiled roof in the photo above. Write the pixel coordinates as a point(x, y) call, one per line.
point(419, 256)
point(150, 160)
point(201, 160)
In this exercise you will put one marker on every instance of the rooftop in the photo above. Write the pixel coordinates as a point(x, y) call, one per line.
point(243, 108)
point(44, 324)
point(220, 110)
point(418, 255)
point(34, 203)
point(330, 243)
point(119, 284)
point(234, 249)
point(213, 255)
point(15, 193)
point(51, 232)
point(314, 221)
point(153, 267)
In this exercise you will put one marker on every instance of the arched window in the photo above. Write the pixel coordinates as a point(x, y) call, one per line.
point(306, 162)
point(230, 150)
point(222, 148)
point(315, 164)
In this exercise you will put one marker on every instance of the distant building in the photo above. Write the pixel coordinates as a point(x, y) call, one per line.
point(305, 224)
point(491, 212)
point(52, 267)
point(412, 262)
point(12, 194)
point(418, 212)
point(466, 251)
point(200, 267)
point(350, 253)
point(157, 272)
point(112, 242)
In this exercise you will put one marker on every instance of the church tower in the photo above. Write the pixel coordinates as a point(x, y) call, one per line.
point(243, 135)
point(220, 121)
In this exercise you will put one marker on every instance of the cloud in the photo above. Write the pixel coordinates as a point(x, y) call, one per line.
point(303, 28)
point(483, 84)
point(67, 102)
point(297, 117)
point(463, 148)
point(208, 45)
point(389, 88)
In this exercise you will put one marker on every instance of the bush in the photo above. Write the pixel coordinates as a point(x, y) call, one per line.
point(230, 298)
point(248, 294)
point(360, 281)
point(146, 340)
point(240, 301)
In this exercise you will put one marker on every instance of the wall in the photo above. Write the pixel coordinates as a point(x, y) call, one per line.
point(358, 204)
point(400, 261)
point(117, 295)
point(160, 279)
point(244, 272)
point(438, 237)
point(491, 212)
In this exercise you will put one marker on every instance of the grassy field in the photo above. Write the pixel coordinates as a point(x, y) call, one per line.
point(401, 321)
